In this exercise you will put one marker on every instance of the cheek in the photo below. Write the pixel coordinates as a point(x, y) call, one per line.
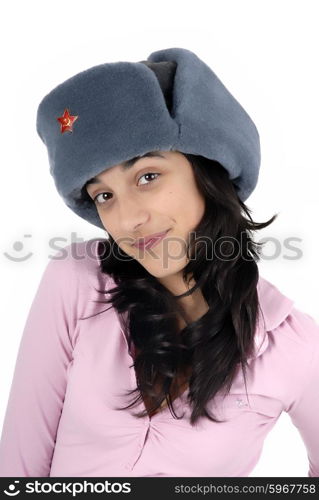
point(187, 205)
point(109, 227)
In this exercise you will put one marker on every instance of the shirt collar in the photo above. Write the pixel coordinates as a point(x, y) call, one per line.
point(274, 309)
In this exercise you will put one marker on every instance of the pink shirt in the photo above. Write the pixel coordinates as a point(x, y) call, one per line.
point(60, 418)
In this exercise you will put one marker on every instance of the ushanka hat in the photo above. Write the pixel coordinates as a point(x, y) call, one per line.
point(112, 112)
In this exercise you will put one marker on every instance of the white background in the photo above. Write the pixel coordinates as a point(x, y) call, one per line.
point(265, 52)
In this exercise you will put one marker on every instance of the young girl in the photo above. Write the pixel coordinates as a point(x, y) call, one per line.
point(196, 356)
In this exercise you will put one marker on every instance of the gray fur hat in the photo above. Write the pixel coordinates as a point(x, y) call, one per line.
point(116, 111)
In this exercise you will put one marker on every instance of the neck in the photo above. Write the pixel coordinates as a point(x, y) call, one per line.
point(194, 306)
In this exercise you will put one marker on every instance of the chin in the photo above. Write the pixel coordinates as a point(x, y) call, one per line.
point(158, 273)
point(161, 272)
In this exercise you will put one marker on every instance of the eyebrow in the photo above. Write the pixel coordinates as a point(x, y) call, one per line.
point(126, 165)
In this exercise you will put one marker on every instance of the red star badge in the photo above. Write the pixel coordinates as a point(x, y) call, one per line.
point(66, 121)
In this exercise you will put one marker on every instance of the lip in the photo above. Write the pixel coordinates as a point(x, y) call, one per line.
point(150, 241)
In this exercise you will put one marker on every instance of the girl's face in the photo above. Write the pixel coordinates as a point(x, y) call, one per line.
point(157, 193)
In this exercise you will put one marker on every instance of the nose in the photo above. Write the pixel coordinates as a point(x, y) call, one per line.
point(131, 216)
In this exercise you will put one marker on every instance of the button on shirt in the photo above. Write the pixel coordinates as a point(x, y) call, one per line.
point(71, 374)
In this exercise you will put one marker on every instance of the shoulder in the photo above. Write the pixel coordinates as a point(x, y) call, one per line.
point(74, 273)
point(79, 258)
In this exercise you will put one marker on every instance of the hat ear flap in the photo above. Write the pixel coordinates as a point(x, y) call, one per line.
point(211, 121)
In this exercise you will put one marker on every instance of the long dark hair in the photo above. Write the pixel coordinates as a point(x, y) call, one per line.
point(222, 260)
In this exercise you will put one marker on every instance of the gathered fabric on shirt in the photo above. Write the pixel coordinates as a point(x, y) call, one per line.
point(71, 375)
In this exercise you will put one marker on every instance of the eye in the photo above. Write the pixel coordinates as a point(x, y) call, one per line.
point(145, 184)
point(96, 197)
point(149, 173)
